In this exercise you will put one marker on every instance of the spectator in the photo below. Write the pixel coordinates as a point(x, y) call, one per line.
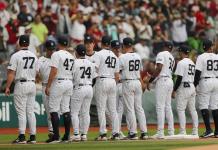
point(142, 49)
point(39, 29)
point(95, 32)
point(158, 40)
point(50, 20)
point(178, 30)
point(64, 23)
point(34, 42)
point(78, 29)
point(12, 28)
point(4, 15)
point(24, 17)
point(145, 30)
point(3, 41)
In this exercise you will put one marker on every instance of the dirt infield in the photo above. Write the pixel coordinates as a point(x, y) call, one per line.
point(209, 147)
point(45, 129)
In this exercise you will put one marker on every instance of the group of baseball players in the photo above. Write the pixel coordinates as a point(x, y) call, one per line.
point(112, 78)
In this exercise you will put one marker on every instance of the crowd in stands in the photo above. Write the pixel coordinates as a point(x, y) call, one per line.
point(148, 22)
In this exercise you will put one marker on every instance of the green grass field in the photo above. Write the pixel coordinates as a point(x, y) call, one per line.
point(5, 141)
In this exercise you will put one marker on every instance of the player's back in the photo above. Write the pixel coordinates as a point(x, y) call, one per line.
point(44, 67)
point(130, 66)
point(206, 64)
point(216, 65)
point(167, 60)
point(187, 66)
point(83, 72)
point(25, 62)
point(63, 61)
point(107, 63)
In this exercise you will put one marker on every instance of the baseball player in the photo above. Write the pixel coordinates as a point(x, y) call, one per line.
point(91, 55)
point(22, 69)
point(184, 90)
point(59, 89)
point(207, 93)
point(130, 67)
point(43, 68)
point(83, 74)
point(163, 89)
point(115, 47)
point(108, 69)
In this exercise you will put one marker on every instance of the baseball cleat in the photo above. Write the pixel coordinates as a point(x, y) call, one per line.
point(102, 137)
point(207, 134)
point(50, 135)
point(65, 139)
point(32, 140)
point(115, 136)
point(122, 136)
point(133, 137)
point(54, 141)
point(20, 140)
point(144, 136)
point(83, 137)
point(157, 136)
point(75, 138)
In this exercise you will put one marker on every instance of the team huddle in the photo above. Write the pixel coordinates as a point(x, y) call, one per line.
point(111, 77)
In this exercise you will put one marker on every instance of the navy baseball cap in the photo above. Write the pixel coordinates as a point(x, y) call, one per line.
point(127, 41)
point(81, 50)
point(168, 44)
point(88, 39)
point(207, 44)
point(24, 40)
point(184, 48)
point(50, 45)
point(106, 40)
point(63, 40)
point(115, 44)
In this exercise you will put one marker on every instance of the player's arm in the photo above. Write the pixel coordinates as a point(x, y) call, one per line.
point(117, 70)
point(156, 72)
point(197, 77)
point(53, 71)
point(51, 78)
point(12, 67)
point(198, 67)
point(10, 79)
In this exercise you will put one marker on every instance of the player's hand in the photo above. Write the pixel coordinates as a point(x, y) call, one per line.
point(174, 94)
point(47, 91)
point(7, 91)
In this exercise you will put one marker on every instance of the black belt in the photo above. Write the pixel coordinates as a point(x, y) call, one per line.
point(207, 77)
point(129, 79)
point(78, 85)
point(63, 79)
point(105, 78)
point(24, 80)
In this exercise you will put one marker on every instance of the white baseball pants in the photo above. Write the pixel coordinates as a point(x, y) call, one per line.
point(132, 97)
point(80, 108)
point(24, 101)
point(60, 94)
point(106, 98)
point(163, 92)
point(185, 97)
point(207, 93)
